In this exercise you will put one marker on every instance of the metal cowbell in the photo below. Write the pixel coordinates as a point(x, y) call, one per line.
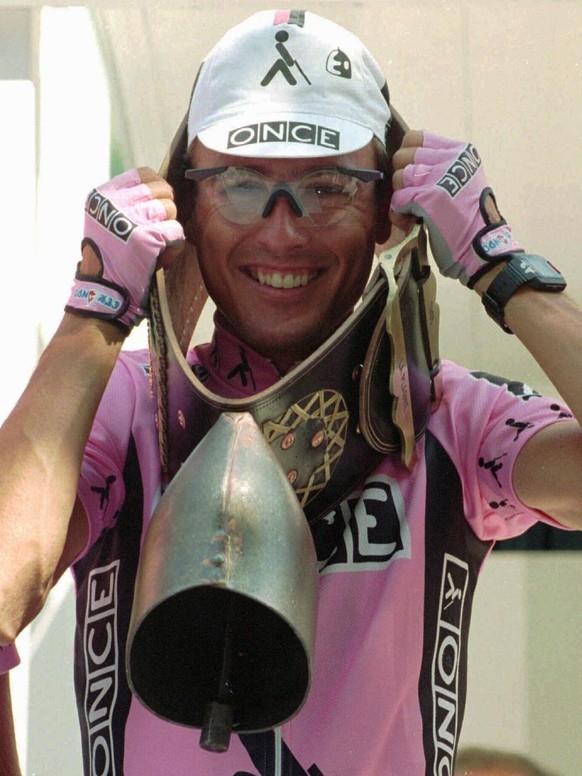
point(223, 621)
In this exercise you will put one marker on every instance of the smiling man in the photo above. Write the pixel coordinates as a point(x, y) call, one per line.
point(285, 279)
point(285, 184)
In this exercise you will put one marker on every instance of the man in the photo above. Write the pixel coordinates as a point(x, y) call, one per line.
point(285, 197)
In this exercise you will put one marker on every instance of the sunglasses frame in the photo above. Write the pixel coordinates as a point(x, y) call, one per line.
point(282, 188)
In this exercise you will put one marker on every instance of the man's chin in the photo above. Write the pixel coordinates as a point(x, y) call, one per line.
point(284, 344)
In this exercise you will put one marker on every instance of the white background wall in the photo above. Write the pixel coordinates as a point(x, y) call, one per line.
point(507, 75)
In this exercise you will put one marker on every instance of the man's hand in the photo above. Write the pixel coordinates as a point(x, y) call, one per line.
point(442, 182)
point(129, 223)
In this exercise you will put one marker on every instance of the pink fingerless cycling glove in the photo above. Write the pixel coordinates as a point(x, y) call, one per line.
point(447, 188)
point(128, 230)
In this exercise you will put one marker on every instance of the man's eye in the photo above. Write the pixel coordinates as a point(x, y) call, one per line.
point(241, 183)
point(243, 186)
point(323, 187)
point(327, 189)
point(328, 185)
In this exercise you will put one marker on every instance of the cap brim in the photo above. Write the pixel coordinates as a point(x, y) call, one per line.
point(172, 167)
point(284, 135)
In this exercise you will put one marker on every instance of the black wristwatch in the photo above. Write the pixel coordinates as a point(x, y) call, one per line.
point(521, 269)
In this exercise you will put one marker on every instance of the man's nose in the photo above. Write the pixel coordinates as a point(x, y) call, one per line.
point(282, 223)
point(285, 191)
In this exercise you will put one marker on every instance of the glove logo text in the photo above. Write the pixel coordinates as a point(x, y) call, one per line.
point(497, 241)
point(92, 297)
point(461, 171)
point(106, 214)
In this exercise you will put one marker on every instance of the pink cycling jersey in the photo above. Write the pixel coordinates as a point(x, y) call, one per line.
point(398, 563)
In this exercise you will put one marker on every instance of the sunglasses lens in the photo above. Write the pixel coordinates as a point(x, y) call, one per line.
point(240, 195)
point(243, 196)
point(326, 195)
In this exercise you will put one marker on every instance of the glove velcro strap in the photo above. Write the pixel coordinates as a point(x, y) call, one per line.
point(93, 297)
point(496, 239)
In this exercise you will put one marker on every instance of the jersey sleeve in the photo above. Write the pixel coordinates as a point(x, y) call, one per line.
point(493, 418)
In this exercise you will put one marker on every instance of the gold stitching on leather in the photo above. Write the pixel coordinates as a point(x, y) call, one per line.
point(328, 406)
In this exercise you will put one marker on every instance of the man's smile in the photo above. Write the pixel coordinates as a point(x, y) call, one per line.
point(282, 278)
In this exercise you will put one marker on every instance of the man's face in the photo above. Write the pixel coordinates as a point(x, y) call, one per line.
point(323, 269)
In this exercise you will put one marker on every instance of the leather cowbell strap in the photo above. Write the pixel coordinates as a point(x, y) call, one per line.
point(366, 392)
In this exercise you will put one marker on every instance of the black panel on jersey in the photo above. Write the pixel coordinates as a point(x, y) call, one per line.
point(453, 556)
point(105, 580)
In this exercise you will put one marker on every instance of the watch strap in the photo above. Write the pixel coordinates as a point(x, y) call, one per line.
point(519, 270)
point(500, 290)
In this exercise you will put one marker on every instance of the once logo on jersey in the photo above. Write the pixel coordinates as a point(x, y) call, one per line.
point(101, 656)
point(367, 531)
point(446, 660)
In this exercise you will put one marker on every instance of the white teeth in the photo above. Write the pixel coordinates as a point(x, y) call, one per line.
point(277, 280)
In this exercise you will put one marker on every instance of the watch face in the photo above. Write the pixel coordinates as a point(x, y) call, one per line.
point(543, 274)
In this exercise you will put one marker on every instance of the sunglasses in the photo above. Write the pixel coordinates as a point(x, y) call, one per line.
point(244, 196)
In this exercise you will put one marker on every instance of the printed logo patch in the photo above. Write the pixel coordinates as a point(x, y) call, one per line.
point(461, 171)
point(446, 662)
point(101, 660)
point(367, 531)
point(93, 298)
point(106, 214)
point(497, 241)
point(285, 65)
point(338, 63)
point(284, 132)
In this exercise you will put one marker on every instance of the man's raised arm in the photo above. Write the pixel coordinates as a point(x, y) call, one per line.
point(128, 224)
point(442, 181)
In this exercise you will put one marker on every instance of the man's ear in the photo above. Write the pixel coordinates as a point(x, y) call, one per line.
point(383, 199)
point(189, 230)
point(186, 212)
